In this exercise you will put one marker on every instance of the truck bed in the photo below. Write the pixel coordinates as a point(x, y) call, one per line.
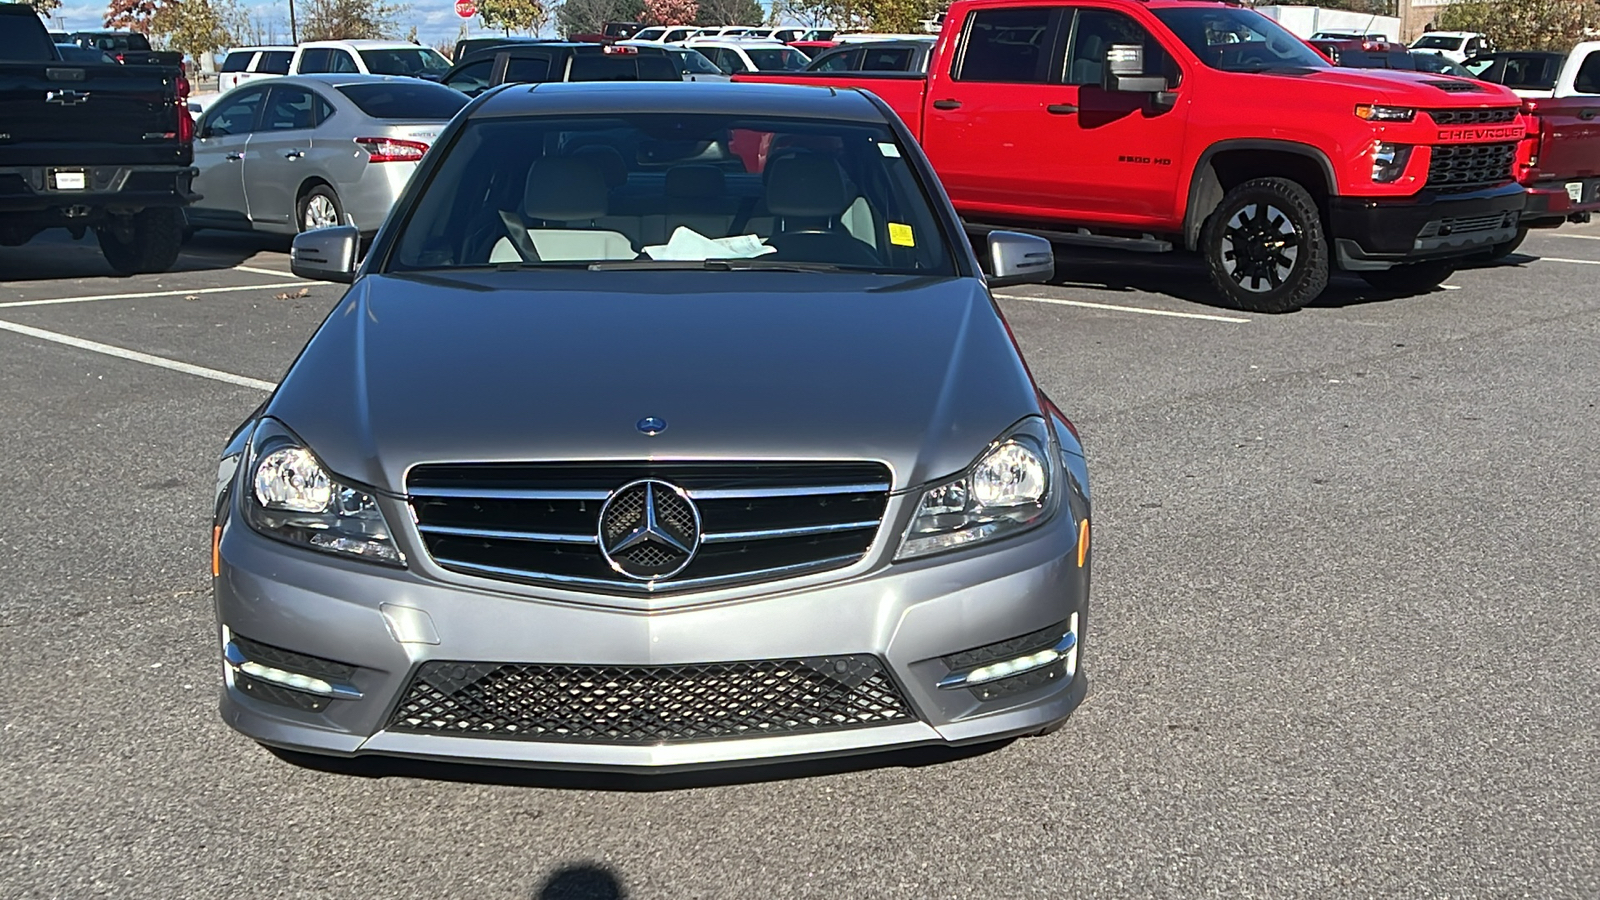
point(903, 91)
point(1563, 161)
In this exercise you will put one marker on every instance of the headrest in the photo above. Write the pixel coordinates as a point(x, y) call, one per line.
point(810, 186)
point(608, 159)
point(564, 189)
point(695, 182)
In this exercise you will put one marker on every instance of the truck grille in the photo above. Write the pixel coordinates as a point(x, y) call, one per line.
point(1464, 167)
point(650, 704)
point(721, 523)
point(1472, 116)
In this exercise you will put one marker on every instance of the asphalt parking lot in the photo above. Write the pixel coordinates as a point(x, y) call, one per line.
point(1342, 645)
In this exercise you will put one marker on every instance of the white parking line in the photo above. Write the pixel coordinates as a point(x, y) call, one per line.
point(55, 301)
point(1580, 262)
point(1128, 309)
point(273, 272)
point(136, 356)
point(1578, 237)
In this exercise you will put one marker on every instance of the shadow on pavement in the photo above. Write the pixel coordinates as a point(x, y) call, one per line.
point(54, 254)
point(584, 881)
point(582, 780)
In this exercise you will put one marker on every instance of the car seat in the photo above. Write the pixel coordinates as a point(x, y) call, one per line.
point(806, 194)
point(563, 199)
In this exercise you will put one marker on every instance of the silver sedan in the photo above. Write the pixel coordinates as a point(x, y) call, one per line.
point(311, 151)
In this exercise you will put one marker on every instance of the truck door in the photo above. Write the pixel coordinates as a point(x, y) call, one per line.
point(989, 129)
point(1123, 151)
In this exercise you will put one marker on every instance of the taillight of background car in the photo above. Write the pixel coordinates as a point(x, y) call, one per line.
point(381, 149)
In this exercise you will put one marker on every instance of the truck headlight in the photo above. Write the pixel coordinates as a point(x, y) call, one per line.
point(290, 496)
point(1372, 112)
point(1389, 162)
point(1006, 491)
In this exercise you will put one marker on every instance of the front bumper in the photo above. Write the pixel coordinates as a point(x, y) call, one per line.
point(384, 624)
point(106, 190)
point(1370, 234)
point(1552, 202)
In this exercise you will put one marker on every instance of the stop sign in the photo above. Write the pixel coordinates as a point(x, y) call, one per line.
point(466, 9)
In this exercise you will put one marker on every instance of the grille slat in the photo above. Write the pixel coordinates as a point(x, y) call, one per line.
point(1464, 167)
point(1498, 116)
point(650, 704)
point(538, 522)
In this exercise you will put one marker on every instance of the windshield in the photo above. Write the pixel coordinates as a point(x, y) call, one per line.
point(1432, 62)
point(405, 61)
point(1437, 42)
point(653, 190)
point(776, 59)
point(695, 63)
point(1239, 40)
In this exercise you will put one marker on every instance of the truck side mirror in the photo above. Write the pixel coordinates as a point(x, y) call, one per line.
point(1016, 258)
point(326, 254)
point(1124, 71)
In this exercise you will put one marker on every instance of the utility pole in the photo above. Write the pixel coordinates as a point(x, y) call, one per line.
point(294, 34)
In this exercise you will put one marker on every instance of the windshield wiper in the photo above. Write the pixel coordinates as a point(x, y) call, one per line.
point(714, 265)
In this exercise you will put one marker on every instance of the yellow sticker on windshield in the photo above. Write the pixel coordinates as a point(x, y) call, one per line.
point(900, 235)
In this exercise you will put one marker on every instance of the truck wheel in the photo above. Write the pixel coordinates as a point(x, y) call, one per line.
point(1265, 247)
point(1501, 251)
point(319, 208)
point(150, 242)
point(1412, 278)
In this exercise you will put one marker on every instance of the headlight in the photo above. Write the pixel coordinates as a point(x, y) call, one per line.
point(1008, 490)
point(1389, 161)
point(291, 497)
point(1375, 113)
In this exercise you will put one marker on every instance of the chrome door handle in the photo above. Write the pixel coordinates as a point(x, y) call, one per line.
point(1061, 109)
point(294, 154)
point(234, 157)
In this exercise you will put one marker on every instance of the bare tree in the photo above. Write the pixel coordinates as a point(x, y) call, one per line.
point(335, 20)
point(1524, 24)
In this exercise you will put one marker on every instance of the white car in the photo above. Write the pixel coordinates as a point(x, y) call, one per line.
point(734, 56)
point(1456, 46)
point(368, 58)
point(664, 34)
point(248, 63)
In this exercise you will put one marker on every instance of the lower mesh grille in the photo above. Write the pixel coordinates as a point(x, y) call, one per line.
point(650, 704)
point(1464, 167)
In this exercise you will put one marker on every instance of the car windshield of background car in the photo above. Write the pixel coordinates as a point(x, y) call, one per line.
point(397, 100)
point(695, 63)
point(776, 59)
point(760, 191)
point(405, 61)
point(1438, 42)
point(1239, 40)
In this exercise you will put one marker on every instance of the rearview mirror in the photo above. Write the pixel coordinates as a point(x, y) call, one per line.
point(1124, 71)
point(326, 254)
point(1017, 258)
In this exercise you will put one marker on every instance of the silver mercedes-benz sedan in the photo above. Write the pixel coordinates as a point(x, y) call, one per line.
point(286, 155)
point(663, 426)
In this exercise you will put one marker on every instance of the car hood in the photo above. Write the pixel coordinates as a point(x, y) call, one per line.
point(1422, 89)
point(919, 373)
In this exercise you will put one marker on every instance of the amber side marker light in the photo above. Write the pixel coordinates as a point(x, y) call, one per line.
point(1083, 543)
point(216, 551)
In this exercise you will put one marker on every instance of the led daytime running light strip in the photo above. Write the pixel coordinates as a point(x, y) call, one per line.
point(1066, 648)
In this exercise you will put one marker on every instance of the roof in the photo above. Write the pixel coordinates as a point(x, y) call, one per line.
point(339, 79)
point(367, 45)
point(680, 98)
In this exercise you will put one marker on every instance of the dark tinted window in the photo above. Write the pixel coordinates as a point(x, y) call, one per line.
point(116, 43)
point(405, 100)
point(695, 63)
point(314, 60)
point(290, 109)
point(275, 62)
point(629, 67)
point(893, 59)
point(1535, 73)
point(235, 115)
point(340, 61)
point(528, 70)
point(238, 61)
point(1006, 45)
point(1588, 80)
point(1097, 31)
point(1238, 40)
point(836, 61)
point(24, 40)
point(404, 61)
point(777, 59)
point(472, 79)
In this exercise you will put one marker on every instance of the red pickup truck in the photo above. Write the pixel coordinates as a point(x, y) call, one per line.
point(1158, 125)
point(1559, 163)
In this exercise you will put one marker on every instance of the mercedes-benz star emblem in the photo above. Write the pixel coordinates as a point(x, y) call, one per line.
point(652, 425)
point(649, 530)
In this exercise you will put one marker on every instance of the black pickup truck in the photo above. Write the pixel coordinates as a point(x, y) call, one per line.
point(92, 145)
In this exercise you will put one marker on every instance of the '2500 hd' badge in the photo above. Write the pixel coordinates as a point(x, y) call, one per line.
point(1481, 133)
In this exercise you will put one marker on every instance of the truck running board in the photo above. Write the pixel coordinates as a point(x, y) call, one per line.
point(1083, 237)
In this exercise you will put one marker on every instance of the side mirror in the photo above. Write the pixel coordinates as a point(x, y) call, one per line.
point(326, 254)
point(1016, 258)
point(1124, 71)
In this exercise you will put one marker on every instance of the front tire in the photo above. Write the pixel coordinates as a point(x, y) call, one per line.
point(318, 208)
point(149, 244)
point(1412, 278)
point(1265, 248)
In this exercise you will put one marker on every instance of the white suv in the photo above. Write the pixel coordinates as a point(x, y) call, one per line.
point(368, 58)
point(734, 56)
point(246, 63)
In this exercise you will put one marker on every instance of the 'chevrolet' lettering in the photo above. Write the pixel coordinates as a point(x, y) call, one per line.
point(1480, 134)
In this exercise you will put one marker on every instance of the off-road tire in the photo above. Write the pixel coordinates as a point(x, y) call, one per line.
point(155, 239)
point(1412, 278)
point(1244, 239)
point(303, 206)
point(1500, 251)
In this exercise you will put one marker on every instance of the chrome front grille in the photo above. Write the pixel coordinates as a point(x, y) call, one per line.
point(541, 522)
